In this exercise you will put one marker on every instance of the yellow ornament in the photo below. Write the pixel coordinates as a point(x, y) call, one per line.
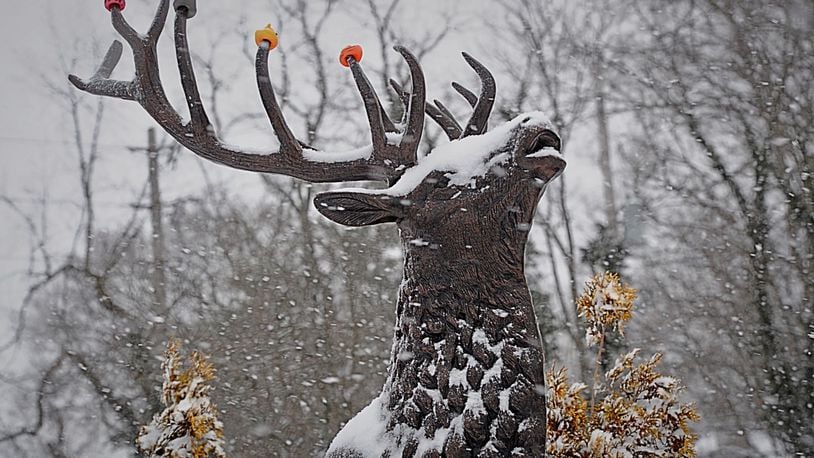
point(268, 34)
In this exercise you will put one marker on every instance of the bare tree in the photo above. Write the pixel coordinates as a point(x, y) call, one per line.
point(94, 256)
point(725, 190)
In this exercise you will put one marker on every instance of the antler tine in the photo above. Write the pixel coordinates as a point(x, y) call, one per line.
point(287, 140)
point(404, 96)
point(199, 119)
point(448, 114)
point(100, 84)
point(449, 125)
point(124, 28)
point(373, 107)
point(466, 93)
point(111, 59)
point(158, 21)
point(408, 148)
point(482, 105)
point(480, 116)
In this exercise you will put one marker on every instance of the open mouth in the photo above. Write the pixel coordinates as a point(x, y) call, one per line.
point(543, 158)
point(545, 142)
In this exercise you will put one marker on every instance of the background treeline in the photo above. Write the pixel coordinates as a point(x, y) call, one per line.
point(688, 126)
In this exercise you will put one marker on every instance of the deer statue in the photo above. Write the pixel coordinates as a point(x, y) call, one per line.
point(466, 370)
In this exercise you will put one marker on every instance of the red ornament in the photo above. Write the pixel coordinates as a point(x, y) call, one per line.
point(120, 4)
point(354, 51)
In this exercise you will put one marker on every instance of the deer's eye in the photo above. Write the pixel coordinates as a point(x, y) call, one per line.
point(546, 139)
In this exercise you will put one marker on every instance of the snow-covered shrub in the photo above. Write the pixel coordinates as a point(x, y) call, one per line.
point(634, 411)
point(188, 427)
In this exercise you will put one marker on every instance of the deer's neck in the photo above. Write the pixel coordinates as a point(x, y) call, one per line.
point(471, 266)
point(467, 363)
point(481, 285)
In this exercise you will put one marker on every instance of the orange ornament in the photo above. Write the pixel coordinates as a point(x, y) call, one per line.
point(354, 51)
point(267, 33)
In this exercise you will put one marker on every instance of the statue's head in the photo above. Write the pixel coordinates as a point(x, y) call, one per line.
point(479, 179)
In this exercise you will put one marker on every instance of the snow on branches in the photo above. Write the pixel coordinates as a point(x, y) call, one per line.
point(635, 411)
point(605, 303)
point(188, 427)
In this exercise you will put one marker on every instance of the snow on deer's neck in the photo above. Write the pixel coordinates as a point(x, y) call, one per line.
point(463, 159)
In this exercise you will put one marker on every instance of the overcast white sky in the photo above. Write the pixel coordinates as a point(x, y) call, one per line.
point(37, 158)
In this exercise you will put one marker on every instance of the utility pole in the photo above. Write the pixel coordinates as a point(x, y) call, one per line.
point(158, 277)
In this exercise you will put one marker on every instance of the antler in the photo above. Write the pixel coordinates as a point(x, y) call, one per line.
point(482, 104)
point(384, 160)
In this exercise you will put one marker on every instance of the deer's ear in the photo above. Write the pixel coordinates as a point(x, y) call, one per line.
point(358, 208)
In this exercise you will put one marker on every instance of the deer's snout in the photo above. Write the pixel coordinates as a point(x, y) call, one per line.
point(545, 164)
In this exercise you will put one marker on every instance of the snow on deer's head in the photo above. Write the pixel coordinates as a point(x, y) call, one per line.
point(476, 179)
